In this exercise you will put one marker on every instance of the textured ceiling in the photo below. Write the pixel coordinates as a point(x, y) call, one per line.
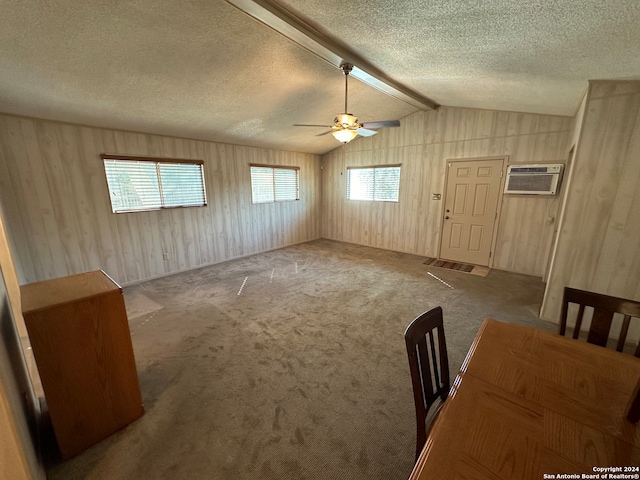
point(204, 69)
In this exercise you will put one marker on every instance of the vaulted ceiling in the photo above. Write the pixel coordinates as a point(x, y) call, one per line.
point(204, 69)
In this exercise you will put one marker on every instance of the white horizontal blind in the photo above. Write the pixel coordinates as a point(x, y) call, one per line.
point(181, 184)
point(274, 184)
point(386, 184)
point(133, 186)
point(262, 185)
point(286, 184)
point(381, 184)
point(139, 185)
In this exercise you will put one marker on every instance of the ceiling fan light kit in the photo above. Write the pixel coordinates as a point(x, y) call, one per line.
point(345, 125)
point(344, 136)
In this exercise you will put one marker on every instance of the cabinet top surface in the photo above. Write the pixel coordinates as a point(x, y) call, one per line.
point(57, 291)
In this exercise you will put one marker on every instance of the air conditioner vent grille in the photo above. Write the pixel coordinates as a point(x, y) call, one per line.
point(530, 183)
point(538, 179)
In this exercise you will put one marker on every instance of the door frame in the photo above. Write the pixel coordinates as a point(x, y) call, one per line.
point(559, 215)
point(494, 239)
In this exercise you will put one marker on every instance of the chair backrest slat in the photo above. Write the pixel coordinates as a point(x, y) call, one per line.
point(623, 332)
point(429, 366)
point(576, 329)
point(434, 362)
point(604, 308)
point(600, 327)
point(633, 413)
point(425, 371)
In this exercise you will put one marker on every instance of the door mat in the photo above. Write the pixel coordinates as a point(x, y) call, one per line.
point(460, 267)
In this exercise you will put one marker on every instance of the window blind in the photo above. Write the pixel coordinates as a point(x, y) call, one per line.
point(274, 184)
point(381, 184)
point(181, 184)
point(141, 184)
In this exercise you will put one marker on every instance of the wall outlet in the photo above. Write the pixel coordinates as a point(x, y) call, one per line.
point(165, 256)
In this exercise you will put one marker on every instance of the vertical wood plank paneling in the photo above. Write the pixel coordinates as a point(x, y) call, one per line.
point(60, 218)
point(99, 206)
point(11, 182)
point(598, 247)
point(40, 219)
point(132, 244)
point(206, 234)
point(620, 118)
point(423, 144)
point(622, 237)
point(71, 150)
point(58, 208)
point(622, 272)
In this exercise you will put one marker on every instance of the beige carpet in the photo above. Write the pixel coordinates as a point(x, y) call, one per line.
point(289, 364)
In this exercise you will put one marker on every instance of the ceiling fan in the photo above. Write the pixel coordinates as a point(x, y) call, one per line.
point(345, 126)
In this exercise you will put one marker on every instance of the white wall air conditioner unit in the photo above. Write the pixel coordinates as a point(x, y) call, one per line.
point(542, 179)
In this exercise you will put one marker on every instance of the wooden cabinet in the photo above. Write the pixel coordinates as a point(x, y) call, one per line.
point(81, 342)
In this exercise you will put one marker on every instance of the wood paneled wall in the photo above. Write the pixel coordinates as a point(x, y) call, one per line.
point(54, 192)
point(19, 406)
point(423, 144)
point(598, 246)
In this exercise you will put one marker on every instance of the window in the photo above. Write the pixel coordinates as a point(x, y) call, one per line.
point(274, 184)
point(139, 183)
point(380, 184)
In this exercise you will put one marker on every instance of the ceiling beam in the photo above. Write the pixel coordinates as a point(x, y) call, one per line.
point(281, 20)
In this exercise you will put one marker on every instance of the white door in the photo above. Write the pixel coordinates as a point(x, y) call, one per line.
point(470, 210)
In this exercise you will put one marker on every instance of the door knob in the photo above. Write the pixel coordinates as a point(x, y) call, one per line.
point(447, 217)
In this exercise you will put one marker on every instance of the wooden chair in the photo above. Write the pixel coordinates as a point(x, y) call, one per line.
point(429, 366)
point(633, 412)
point(604, 308)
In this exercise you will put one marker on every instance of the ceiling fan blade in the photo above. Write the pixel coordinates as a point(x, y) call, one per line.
point(365, 133)
point(310, 125)
point(324, 133)
point(382, 124)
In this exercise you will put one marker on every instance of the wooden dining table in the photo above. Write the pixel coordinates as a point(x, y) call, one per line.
point(529, 404)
